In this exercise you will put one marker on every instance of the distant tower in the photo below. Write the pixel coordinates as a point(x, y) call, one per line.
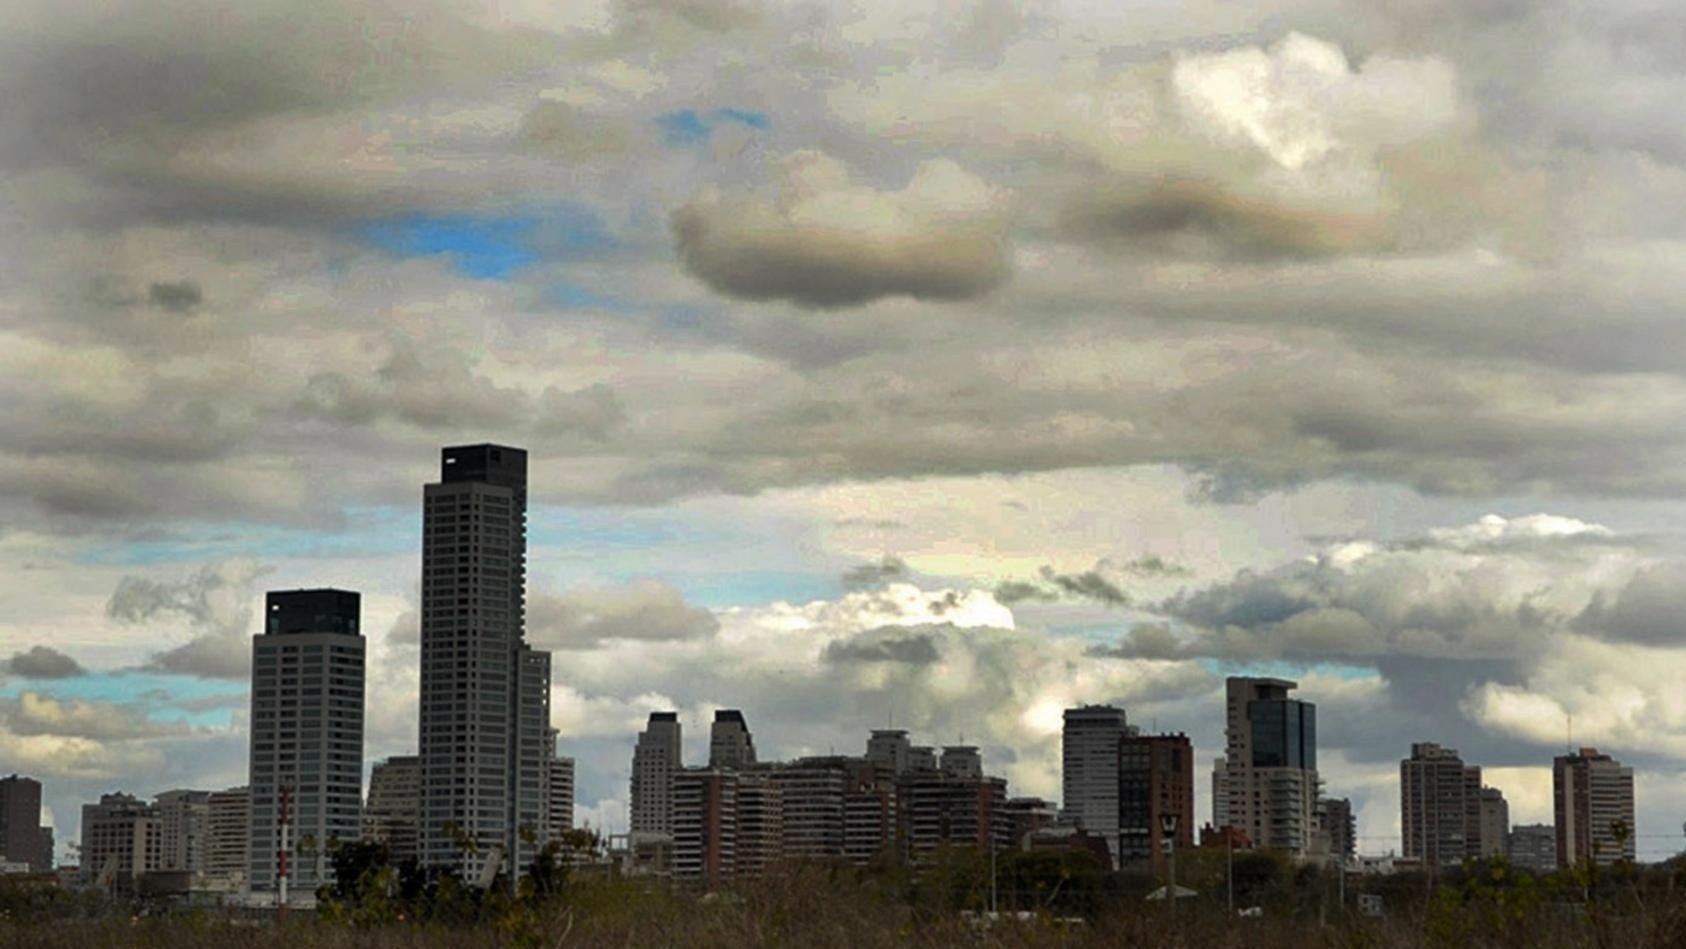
point(22, 838)
point(307, 733)
point(394, 808)
point(729, 742)
point(654, 763)
point(1592, 794)
point(1089, 772)
point(1440, 806)
point(888, 748)
point(485, 695)
point(1268, 774)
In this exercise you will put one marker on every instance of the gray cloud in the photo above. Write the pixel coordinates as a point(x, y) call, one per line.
point(1089, 584)
point(42, 662)
point(214, 604)
point(887, 644)
point(646, 610)
point(1647, 609)
point(181, 296)
point(1019, 591)
point(1194, 218)
point(942, 238)
point(868, 575)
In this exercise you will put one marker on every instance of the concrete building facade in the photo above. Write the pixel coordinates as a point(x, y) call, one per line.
point(655, 761)
point(1533, 847)
point(1440, 806)
point(184, 827)
point(1266, 783)
point(1155, 781)
point(228, 846)
point(1341, 827)
point(485, 694)
point(22, 838)
point(1495, 823)
point(1089, 776)
point(306, 735)
point(730, 745)
point(1593, 798)
point(120, 841)
point(392, 815)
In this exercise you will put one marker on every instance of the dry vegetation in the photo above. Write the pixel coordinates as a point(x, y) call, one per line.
point(821, 908)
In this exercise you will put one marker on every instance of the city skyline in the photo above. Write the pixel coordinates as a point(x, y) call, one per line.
point(934, 365)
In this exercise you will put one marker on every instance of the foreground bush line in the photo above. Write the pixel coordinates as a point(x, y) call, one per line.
point(1056, 903)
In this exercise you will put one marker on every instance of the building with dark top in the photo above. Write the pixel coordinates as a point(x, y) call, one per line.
point(485, 694)
point(22, 838)
point(306, 737)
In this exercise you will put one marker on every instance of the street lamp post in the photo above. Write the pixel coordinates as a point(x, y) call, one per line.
point(1168, 827)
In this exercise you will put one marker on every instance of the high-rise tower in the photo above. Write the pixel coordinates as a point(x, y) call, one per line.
point(1439, 806)
point(654, 763)
point(730, 744)
point(1266, 784)
point(485, 695)
point(1089, 772)
point(307, 735)
point(1593, 798)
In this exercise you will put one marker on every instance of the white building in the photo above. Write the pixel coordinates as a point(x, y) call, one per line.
point(655, 761)
point(1266, 784)
point(559, 797)
point(485, 694)
point(1089, 747)
point(307, 736)
point(120, 841)
point(184, 830)
point(228, 848)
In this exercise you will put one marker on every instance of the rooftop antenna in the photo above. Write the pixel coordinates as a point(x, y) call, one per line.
point(1569, 727)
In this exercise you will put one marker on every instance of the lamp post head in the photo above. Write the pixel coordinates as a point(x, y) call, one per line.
point(1168, 824)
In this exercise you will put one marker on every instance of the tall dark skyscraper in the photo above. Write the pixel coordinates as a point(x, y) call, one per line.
point(306, 739)
point(485, 695)
point(22, 839)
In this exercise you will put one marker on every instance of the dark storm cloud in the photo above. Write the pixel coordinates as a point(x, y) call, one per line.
point(42, 662)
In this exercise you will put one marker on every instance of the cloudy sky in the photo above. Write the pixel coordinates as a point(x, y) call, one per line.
point(944, 362)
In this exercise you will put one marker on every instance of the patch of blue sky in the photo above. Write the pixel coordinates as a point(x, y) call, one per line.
point(488, 248)
point(690, 127)
point(165, 696)
point(369, 531)
point(493, 247)
point(1285, 669)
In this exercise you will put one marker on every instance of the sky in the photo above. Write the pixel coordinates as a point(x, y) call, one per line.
point(942, 363)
